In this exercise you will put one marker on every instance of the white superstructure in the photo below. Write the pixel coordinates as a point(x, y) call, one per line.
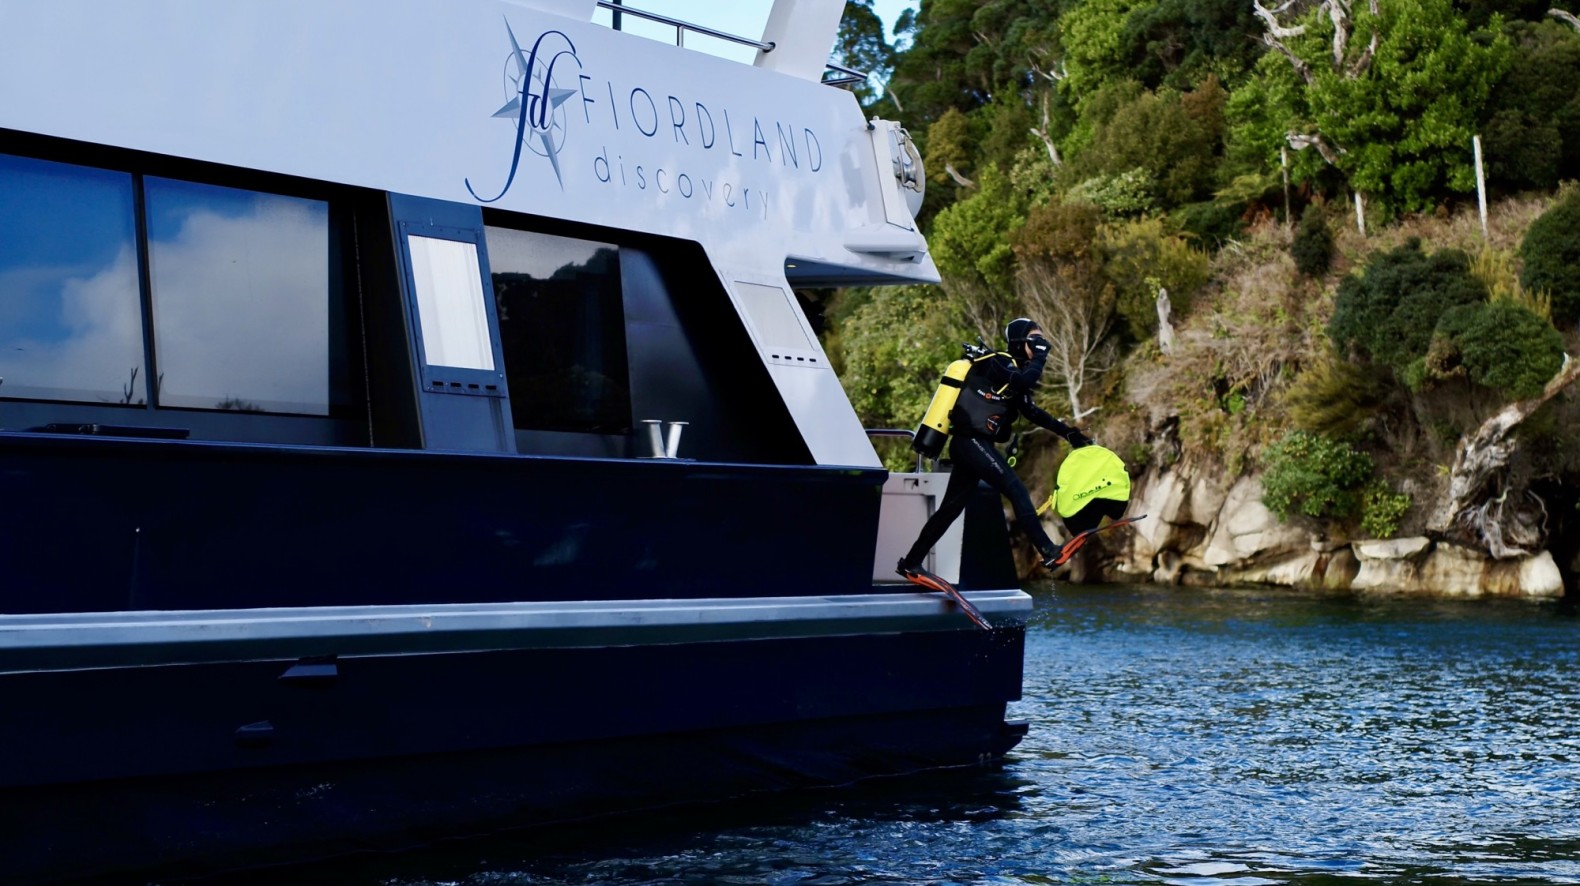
point(527, 107)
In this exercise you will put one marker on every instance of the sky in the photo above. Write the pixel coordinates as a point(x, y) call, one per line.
point(742, 17)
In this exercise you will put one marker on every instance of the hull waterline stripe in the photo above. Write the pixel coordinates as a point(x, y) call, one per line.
point(63, 641)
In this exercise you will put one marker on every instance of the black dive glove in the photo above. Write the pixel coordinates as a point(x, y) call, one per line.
point(1078, 439)
point(1039, 348)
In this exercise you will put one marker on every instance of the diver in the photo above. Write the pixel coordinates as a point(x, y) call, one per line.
point(995, 391)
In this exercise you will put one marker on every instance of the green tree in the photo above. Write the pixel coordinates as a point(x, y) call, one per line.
point(1006, 132)
point(1175, 140)
point(931, 76)
point(1096, 47)
point(971, 246)
point(1017, 41)
point(1143, 256)
point(1390, 100)
point(950, 146)
point(861, 45)
point(893, 349)
point(967, 53)
point(1178, 43)
point(1532, 138)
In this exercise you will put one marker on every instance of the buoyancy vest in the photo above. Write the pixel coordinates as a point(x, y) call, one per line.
point(980, 410)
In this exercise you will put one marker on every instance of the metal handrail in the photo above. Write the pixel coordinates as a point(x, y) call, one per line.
point(896, 432)
point(848, 76)
point(681, 27)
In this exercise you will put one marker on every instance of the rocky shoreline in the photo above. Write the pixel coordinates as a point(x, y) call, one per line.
point(1204, 528)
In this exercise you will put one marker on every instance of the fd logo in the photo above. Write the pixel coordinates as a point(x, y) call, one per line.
point(535, 102)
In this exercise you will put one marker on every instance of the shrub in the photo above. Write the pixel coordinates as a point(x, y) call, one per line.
point(1388, 312)
point(1313, 244)
point(1128, 193)
point(1495, 269)
point(1158, 134)
point(1141, 255)
point(1381, 509)
point(1212, 222)
point(1551, 251)
point(1314, 475)
point(1501, 346)
point(1333, 398)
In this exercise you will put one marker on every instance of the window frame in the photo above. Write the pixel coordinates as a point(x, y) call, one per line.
point(438, 377)
point(347, 421)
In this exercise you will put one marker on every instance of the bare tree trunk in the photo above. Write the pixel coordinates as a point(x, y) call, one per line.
point(1165, 327)
point(1045, 133)
point(1477, 507)
point(1076, 321)
point(979, 308)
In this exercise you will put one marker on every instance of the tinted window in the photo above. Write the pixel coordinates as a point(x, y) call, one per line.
point(241, 298)
point(70, 311)
point(562, 324)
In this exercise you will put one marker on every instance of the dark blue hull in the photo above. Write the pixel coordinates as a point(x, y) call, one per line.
point(171, 769)
point(220, 655)
point(101, 525)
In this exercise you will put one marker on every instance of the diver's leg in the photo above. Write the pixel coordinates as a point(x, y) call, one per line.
point(996, 472)
point(962, 484)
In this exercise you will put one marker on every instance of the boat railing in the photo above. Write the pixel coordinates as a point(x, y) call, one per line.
point(897, 432)
point(843, 76)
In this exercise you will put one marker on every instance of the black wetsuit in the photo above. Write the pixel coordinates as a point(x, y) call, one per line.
point(996, 392)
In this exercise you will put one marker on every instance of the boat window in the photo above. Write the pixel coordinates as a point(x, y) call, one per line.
point(770, 312)
point(449, 284)
point(241, 298)
point(562, 325)
point(70, 307)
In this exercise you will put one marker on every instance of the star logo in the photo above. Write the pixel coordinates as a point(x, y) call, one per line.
point(535, 101)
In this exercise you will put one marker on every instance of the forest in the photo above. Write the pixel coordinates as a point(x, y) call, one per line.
point(1252, 233)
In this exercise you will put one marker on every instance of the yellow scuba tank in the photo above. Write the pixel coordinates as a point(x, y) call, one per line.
point(934, 429)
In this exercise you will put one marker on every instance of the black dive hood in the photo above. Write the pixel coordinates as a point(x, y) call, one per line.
point(1015, 335)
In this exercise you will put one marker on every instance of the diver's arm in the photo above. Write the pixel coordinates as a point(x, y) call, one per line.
point(1022, 379)
point(1042, 418)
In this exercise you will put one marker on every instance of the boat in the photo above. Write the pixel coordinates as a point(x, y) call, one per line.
point(409, 428)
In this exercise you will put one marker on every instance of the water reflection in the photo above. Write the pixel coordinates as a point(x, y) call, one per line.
point(1177, 737)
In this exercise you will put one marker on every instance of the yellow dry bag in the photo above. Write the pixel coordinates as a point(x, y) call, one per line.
point(1085, 475)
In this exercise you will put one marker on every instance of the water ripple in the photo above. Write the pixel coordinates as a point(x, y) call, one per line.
point(1179, 737)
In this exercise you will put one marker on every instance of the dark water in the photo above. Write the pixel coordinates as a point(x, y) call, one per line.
point(1201, 737)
